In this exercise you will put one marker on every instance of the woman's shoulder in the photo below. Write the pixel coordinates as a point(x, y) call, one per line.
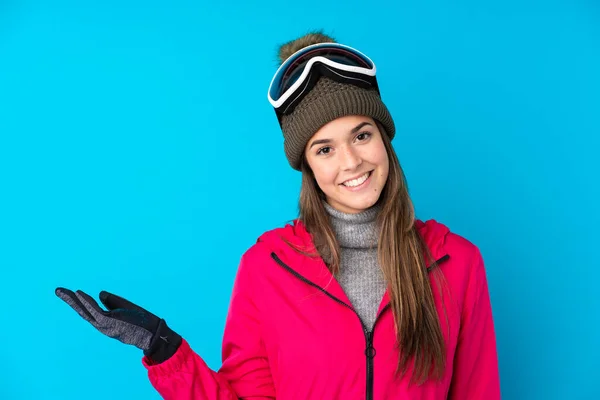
point(462, 246)
point(440, 238)
point(279, 240)
point(463, 255)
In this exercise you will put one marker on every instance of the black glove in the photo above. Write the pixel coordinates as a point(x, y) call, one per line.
point(125, 322)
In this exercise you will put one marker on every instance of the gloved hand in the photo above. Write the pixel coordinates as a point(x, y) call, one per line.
point(125, 322)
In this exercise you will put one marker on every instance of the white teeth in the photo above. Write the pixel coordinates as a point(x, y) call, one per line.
point(357, 181)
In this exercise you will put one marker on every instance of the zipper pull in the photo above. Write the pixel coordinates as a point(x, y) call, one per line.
point(370, 350)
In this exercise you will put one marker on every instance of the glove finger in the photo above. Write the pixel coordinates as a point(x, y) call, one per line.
point(72, 300)
point(91, 305)
point(113, 302)
point(125, 310)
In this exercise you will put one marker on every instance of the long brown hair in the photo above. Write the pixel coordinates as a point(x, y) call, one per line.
point(403, 257)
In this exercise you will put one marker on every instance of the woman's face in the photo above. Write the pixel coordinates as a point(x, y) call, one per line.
point(349, 161)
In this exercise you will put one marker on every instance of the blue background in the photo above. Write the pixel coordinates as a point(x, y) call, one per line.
point(139, 155)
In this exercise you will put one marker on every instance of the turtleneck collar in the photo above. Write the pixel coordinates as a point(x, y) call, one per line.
point(356, 231)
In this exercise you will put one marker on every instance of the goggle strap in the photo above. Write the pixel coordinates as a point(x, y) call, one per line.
point(321, 70)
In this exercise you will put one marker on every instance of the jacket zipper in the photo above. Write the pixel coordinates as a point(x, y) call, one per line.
point(370, 354)
point(369, 349)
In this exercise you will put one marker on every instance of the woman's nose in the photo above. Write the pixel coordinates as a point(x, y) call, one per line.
point(350, 159)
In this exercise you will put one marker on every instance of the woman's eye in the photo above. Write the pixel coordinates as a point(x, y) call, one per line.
point(324, 150)
point(363, 136)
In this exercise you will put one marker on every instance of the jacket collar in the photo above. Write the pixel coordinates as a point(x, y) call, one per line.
point(314, 271)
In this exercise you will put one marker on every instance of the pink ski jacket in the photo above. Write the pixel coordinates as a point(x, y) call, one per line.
point(292, 333)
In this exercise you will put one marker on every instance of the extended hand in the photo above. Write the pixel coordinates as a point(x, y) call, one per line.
point(125, 322)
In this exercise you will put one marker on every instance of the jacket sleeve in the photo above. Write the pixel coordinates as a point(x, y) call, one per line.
point(245, 372)
point(475, 374)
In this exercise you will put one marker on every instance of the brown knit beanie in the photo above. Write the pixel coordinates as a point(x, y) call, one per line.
point(327, 101)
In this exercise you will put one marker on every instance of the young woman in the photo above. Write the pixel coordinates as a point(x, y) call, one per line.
point(357, 299)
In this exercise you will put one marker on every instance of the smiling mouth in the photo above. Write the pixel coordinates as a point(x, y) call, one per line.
point(358, 181)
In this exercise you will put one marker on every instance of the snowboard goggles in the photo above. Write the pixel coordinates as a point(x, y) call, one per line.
point(301, 71)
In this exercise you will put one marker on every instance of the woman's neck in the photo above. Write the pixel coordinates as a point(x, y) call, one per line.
point(358, 231)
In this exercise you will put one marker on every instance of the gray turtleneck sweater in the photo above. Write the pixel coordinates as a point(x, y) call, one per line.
point(360, 275)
